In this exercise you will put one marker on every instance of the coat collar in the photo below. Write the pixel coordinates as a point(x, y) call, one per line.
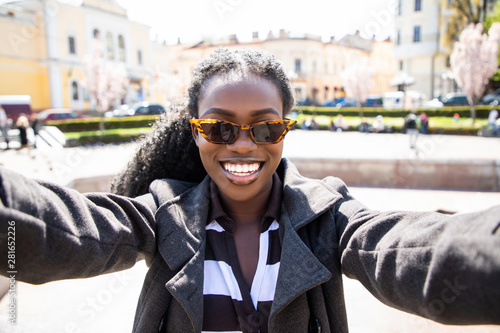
point(181, 237)
point(304, 199)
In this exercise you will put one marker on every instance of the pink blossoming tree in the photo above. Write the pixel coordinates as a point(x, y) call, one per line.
point(358, 80)
point(106, 82)
point(474, 60)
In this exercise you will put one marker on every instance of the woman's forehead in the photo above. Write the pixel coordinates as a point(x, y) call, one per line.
point(240, 93)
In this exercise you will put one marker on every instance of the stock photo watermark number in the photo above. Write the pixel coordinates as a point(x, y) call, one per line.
point(11, 273)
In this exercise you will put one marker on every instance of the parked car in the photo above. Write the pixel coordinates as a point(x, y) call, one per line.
point(346, 103)
point(146, 109)
point(122, 111)
point(57, 114)
point(455, 99)
point(434, 103)
point(374, 102)
point(490, 98)
point(139, 109)
point(15, 105)
point(305, 102)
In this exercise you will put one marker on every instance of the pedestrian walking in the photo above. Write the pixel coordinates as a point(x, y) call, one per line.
point(492, 120)
point(235, 238)
point(23, 124)
point(411, 129)
point(4, 126)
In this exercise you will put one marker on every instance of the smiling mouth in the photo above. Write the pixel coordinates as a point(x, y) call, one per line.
point(241, 169)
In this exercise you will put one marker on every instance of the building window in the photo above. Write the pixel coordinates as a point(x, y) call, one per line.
point(110, 46)
point(74, 91)
point(139, 57)
point(400, 65)
point(400, 7)
point(298, 66)
point(398, 38)
point(96, 34)
point(121, 48)
point(71, 45)
point(418, 5)
point(315, 66)
point(416, 34)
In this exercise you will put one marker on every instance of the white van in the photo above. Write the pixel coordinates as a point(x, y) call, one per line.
point(398, 100)
point(14, 105)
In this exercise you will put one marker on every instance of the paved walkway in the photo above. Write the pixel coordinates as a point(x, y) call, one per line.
point(107, 303)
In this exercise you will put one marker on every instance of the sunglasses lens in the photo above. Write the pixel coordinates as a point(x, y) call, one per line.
point(268, 133)
point(220, 132)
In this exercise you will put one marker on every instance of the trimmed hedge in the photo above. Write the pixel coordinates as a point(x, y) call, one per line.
point(92, 124)
point(482, 111)
point(108, 136)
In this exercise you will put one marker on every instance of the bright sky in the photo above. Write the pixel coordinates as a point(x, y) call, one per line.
point(194, 20)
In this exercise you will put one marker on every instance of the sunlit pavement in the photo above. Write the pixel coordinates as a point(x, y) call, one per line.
point(107, 303)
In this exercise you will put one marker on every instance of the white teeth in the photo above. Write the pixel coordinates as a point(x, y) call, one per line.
point(241, 169)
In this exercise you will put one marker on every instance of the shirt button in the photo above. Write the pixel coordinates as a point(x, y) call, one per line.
point(255, 319)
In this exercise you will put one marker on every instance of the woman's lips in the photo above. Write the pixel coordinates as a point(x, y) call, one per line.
point(242, 173)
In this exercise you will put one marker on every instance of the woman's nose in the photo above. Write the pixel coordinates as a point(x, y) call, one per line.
point(244, 143)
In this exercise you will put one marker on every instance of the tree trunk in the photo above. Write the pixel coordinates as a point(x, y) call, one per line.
point(360, 107)
point(101, 126)
point(473, 113)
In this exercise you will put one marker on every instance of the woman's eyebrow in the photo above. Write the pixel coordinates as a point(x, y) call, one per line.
point(265, 111)
point(253, 113)
point(218, 111)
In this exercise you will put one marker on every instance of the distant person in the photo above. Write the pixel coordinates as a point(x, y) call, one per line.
point(411, 129)
point(35, 125)
point(364, 127)
point(4, 126)
point(378, 125)
point(23, 124)
point(309, 124)
point(492, 120)
point(424, 123)
point(340, 124)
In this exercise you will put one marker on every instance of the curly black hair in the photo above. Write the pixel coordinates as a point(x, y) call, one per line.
point(169, 150)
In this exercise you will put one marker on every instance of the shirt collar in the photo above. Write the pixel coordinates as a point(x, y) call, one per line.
point(272, 212)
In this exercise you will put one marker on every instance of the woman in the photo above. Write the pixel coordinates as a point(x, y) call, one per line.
point(22, 124)
point(236, 239)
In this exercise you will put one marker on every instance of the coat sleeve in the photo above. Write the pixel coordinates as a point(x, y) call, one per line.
point(442, 267)
point(49, 232)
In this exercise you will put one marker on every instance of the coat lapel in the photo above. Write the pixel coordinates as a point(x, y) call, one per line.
point(303, 201)
point(181, 242)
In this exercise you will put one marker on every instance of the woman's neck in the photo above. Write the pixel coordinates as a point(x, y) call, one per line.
point(250, 211)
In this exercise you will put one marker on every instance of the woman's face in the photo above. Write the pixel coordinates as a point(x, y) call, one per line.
point(242, 170)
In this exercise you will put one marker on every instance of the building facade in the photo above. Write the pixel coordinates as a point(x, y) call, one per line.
point(313, 66)
point(418, 51)
point(45, 45)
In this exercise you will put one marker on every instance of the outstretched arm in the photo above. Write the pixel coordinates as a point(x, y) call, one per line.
point(62, 234)
point(445, 268)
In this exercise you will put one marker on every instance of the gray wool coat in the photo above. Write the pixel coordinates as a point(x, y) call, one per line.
point(446, 268)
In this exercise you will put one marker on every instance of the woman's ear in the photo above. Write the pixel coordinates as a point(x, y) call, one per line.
point(195, 133)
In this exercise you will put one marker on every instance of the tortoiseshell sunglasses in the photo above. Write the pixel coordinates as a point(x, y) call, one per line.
point(225, 132)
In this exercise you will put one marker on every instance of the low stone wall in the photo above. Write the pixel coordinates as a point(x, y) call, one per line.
point(428, 174)
point(424, 174)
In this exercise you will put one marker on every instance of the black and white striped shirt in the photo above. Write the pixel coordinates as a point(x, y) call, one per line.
point(230, 305)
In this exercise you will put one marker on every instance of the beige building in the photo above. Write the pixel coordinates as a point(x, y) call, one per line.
point(313, 66)
point(44, 45)
point(420, 55)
